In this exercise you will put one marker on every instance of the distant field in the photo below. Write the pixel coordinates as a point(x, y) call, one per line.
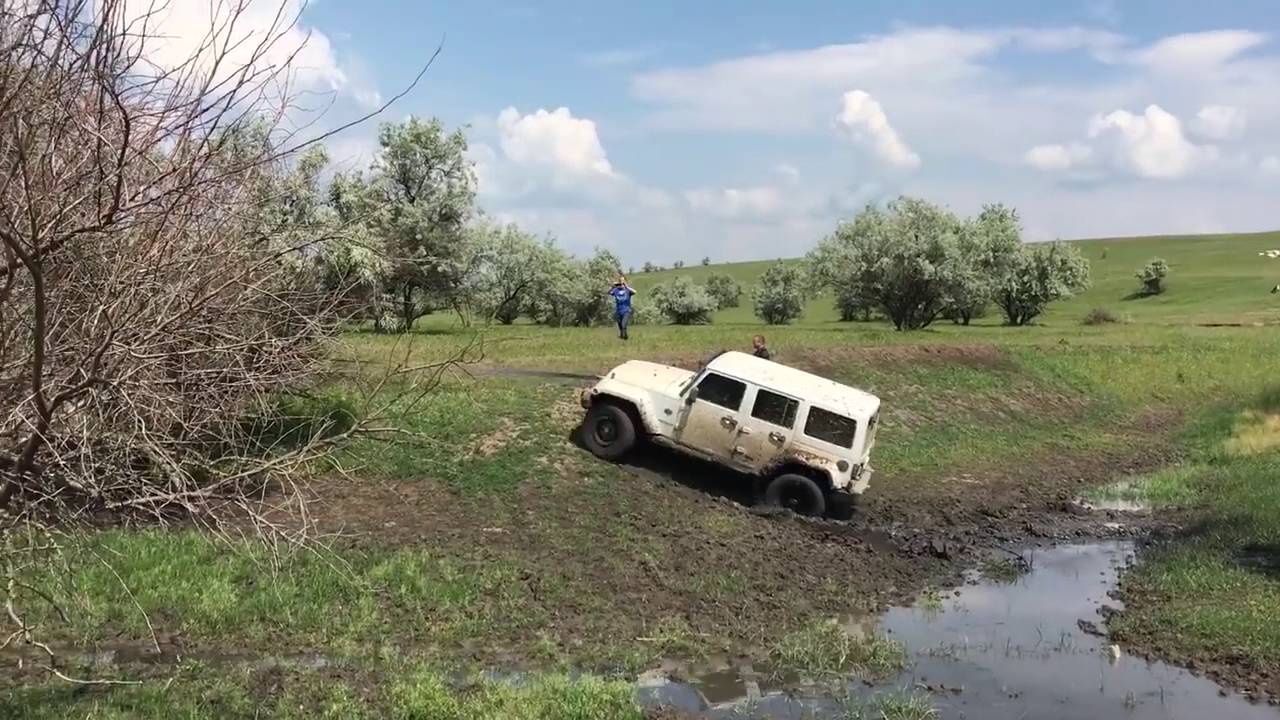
point(1213, 278)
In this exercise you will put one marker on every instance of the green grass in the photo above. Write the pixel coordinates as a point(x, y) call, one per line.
point(237, 593)
point(480, 437)
point(1167, 487)
point(903, 705)
point(415, 693)
point(1214, 595)
point(824, 650)
point(424, 696)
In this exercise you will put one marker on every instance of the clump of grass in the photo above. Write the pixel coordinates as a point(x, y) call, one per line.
point(424, 695)
point(825, 650)
point(1170, 486)
point(902, 705)
point(1003, 569)
point(672, 637)
point(1255, 433)
point(1100, 316)
point(906, 706)
point(931, 600)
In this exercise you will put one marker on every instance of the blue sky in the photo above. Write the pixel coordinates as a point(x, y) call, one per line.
point(744, 130)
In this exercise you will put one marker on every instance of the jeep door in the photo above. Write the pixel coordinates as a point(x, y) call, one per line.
point(765, 426)
point(710, 424)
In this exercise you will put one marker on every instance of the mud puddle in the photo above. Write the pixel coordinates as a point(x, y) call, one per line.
point(1025, 649)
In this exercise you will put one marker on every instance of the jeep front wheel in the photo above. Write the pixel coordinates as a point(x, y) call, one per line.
point(608, 431)
point(796, 493)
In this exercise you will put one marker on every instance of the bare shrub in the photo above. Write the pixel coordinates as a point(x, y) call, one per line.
point(154, 298)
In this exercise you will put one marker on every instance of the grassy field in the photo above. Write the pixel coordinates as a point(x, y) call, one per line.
point(491, 541)
point(1212, 279)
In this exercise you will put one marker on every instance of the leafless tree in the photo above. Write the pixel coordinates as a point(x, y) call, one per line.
point(148, 304)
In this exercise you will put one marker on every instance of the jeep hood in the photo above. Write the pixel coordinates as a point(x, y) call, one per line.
point(649, 375)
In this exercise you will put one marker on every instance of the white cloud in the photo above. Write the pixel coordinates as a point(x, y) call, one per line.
point(1197, 52)
point(1220, 122)
point(566, 147)
point(1057, 157)
point(964, 98)
point(261, 36)
point(789, 90)
point(759, 202)
point(790, 174)
point(863, 120)
point(1152, 145)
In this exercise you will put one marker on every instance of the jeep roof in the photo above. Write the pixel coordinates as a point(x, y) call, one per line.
point(789, 380)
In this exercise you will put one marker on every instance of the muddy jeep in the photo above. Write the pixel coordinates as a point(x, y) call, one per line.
point(804, 439)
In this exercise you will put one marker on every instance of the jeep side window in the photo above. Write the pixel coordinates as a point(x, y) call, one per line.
point(722, 391)
point(774, 408)
point(830, 427)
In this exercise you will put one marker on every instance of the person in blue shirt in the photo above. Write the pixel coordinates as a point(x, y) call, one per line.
point(622, 293)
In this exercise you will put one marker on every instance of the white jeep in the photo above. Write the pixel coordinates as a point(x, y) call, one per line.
point(805, 438)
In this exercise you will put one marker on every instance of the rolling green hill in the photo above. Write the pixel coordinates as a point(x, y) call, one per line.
point(1213, 278)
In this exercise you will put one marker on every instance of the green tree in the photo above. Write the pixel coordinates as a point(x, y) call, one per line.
point(421, 195)
point(906, 257)
point(513, 266)
point(1038, 275)
point(780, 297)
point(724, 290)
point(684, 302)
point(576, 292)
point(1153, 276)
point(987, 244)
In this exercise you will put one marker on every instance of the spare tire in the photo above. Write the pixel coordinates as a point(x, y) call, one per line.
point(796, 493)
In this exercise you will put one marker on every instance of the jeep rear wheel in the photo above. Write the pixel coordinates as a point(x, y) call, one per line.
point(796, 493)
point(608, 431)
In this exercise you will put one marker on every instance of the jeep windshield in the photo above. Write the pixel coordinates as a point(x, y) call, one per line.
point(698, 373)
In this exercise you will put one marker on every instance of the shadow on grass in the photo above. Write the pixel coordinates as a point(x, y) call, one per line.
point(1140, 295)
point(1261, 558)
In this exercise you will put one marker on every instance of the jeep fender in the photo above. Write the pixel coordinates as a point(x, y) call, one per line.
point(640, 411)
point(812, 466)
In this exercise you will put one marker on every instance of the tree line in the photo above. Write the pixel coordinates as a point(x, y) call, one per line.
point(406, 240)
point(913, 263)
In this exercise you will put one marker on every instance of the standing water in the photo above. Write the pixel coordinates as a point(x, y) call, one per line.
point(1014, 651)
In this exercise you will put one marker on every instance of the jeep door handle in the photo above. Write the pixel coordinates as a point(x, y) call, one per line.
point(728, 422)
point(777, 437)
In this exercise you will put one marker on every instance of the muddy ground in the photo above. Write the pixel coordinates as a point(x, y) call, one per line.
point(619, 569)
point(665, 546)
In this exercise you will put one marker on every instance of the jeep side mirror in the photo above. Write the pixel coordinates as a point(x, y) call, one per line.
point(691, 396)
